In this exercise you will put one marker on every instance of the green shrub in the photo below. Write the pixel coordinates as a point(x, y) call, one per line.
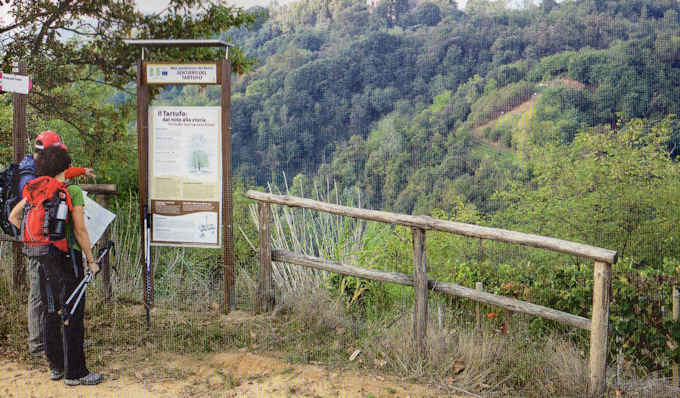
point(550, 67)
point(641, 295)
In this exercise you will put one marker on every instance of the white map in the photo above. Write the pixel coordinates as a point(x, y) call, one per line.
point(97, 219)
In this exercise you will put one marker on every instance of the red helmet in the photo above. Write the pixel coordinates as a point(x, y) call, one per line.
point(48, 138)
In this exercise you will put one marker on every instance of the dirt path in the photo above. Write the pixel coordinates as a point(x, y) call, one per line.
point(477, 132)
point(231, 374)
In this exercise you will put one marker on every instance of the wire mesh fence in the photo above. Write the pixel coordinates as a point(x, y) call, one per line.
point(513, 177)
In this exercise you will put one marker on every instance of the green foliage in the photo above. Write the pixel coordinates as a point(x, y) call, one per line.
point(641, 305)
point(307, 98)
point(426, 13)
point(81, 85)
point(667, 49)
point(6, 130)
point(639, 324)
point(559, 113)
point(501, 132)
point(610, 188)
point(613, 188)
point(550, 67)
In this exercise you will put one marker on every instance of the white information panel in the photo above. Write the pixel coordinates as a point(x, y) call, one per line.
point(181, 73)
point(15, 83)
point(185, 175)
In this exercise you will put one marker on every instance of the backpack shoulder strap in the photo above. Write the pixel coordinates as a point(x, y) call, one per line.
point(26, 170)
point(64, 188)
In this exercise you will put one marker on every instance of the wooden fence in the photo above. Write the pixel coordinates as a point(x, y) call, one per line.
point(603, 260)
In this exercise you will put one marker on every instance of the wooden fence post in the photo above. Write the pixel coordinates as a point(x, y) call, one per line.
point(598, 329)
point(420, 289)
point(106, 290)
point(480, 287)
point(676, 315)
point(265, 285)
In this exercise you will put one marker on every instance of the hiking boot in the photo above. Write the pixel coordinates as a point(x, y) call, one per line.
point(90, 380)
point(56, 374)
point(37, 353)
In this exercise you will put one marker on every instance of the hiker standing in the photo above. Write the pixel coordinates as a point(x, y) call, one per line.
point(36, 318)
point(60, 260)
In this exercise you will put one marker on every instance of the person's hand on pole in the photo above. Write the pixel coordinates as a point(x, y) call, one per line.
point(93, 266)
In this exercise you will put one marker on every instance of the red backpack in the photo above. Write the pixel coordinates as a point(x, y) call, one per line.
point(44, 222)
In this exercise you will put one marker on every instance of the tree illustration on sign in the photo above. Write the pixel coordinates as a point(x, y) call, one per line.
point(198, 160)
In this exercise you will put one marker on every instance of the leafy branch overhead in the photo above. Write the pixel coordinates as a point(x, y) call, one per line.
point(70, 47)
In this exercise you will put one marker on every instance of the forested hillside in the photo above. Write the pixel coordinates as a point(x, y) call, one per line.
point(395, 100)
point(384, 98)
point(557, 119)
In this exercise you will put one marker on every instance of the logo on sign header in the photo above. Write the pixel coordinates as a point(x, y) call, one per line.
point(157, 71)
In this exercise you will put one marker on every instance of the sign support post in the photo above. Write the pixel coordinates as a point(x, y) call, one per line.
point(142, 155)
point(19, 102)
point(227, 204)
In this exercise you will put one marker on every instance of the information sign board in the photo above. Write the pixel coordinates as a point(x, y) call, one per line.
point(181, 73)
point(185, 175)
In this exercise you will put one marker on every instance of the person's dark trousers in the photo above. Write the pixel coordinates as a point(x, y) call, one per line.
point(60, 274)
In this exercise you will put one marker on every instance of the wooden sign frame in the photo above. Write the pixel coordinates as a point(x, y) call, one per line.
point(143, 99)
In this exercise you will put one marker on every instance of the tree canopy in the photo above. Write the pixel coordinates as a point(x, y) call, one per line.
point(74, 53)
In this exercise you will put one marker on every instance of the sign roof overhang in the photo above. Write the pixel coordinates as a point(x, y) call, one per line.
point(177, 43)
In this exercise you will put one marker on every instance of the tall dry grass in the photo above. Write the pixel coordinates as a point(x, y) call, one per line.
point(311, 233)
point(187, 278)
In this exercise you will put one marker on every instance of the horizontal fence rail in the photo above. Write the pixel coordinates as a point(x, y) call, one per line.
point(603, 259)
point(453, 289)
point(430, 223)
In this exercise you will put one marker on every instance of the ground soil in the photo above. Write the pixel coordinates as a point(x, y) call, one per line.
point(227, 374)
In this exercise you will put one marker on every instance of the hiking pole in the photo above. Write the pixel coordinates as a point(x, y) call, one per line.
point(75, 291)
point(147, 261)
point(82, 286)
point(81, 291)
